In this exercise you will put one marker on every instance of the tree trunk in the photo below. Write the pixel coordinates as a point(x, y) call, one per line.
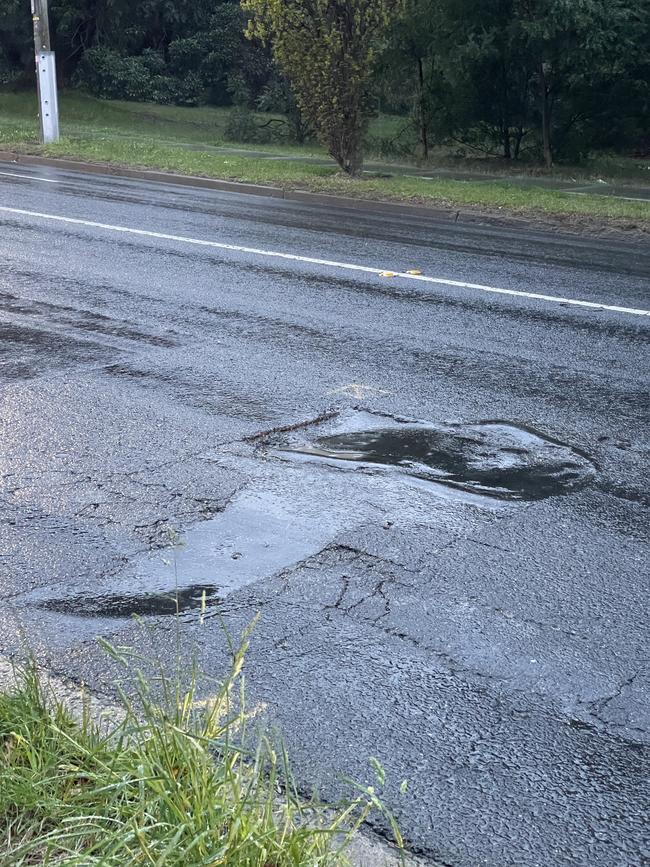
point(505, 113)
point(519, 135)
point(351, 161)
point(347, 147)
point(424, 133)
point(546, 116)
point(507, 152)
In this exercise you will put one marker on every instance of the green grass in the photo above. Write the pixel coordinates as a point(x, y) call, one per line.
point(87, 117)
point(176, 784)
point(184, 140)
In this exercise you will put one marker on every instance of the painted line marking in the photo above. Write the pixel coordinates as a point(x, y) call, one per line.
point(30, 177)
point(310, 260)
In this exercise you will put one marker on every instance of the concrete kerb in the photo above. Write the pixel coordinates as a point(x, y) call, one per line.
point(372, 206)
point(367, 848)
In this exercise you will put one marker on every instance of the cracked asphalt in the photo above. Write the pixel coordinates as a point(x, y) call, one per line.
point(492, 653)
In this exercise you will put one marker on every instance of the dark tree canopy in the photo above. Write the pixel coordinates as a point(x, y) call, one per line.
point(542, 80)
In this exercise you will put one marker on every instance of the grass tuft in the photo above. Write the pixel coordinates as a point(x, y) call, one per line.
point(175, 784)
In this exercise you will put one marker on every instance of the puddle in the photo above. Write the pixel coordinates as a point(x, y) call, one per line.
point(260, 534)
point(493, 458)
point(116, 605)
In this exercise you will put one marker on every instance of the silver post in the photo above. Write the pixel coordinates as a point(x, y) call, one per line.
point(45, 73)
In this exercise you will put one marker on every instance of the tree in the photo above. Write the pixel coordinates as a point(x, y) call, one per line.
point(409, 68)
point(558, 75)
point(326, 48)
point(577, 49)
point(16, 44)
point(484, 82)
point(182, 51)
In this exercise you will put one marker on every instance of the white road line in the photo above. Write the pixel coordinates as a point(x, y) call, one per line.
point(348, 266)
point(30, 177)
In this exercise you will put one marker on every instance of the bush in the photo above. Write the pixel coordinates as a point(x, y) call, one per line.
point(143, 78)
point(9, 74)
point(242, 126)
point(277, 97)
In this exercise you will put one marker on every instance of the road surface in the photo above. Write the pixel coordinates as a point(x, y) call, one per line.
point(471, 611)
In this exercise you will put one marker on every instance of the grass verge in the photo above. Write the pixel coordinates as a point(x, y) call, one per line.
point(176, 784)
point(176, 139)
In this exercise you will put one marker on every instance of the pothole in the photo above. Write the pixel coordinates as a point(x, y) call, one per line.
point(490, 458)
point(288, 517)
point(122, 605)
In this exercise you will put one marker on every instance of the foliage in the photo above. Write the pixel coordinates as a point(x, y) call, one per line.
point(144, 78)
point(242, 127)
point(181, 51)
point(535, 80)
point(409, 72)
point(278, 97)
point(16, 45)
point(546, 76)
point(327, 49)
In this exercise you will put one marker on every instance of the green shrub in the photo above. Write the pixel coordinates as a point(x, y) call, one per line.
point(142, 78)
point(241, 126)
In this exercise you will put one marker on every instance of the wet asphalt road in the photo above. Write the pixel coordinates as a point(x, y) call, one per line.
point(492, 652)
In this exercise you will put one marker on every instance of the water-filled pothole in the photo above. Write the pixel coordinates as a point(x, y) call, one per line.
point(491, 458)
point(121, 605)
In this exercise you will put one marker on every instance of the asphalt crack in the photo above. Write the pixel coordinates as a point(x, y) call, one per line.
point(597, 706)
point(328, 415)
